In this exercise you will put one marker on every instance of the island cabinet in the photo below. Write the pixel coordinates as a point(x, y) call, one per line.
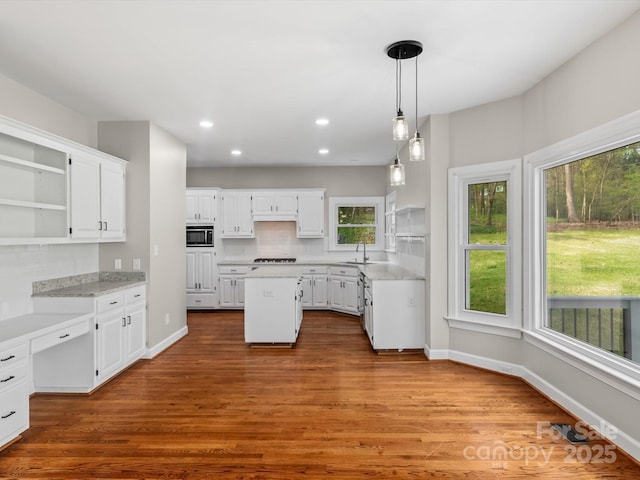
point(344, 291)
point(117, 339)
point(394, 313)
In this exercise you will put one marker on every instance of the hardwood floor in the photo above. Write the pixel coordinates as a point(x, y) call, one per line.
point(210, 407)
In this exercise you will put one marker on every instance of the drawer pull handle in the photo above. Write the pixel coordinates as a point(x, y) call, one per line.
point(7, 358)
point(113, 303)
point(8, 379)
point(137, 295)
point(64, 336)
point(12, 412)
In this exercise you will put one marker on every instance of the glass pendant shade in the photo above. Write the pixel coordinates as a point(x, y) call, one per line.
point(396, 173)
point(400, 127)
point(416, 148)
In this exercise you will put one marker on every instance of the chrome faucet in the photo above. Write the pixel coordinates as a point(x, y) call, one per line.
point(364, 251)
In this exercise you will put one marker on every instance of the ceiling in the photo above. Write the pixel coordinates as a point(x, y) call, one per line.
point(263, 71)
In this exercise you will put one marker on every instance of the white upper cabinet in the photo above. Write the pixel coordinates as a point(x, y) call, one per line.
point(42, 195)
point(310, 214)
point(97, 198)
point(236, 214)
point(275, 205)
point(201, 206)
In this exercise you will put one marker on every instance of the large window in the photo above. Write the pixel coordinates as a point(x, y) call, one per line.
point(485, 249)
point(356, 219)
point(583, 234)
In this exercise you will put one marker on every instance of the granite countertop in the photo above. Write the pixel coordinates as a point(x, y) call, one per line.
point(387, 271)
point(271, 271)
point(88, 285)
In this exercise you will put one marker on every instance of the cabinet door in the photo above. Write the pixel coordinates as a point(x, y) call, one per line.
point(229, 217)
point(320, 291)
point(191, 204)
point(286, 203)
point(239, 291)
point(112, 202)
point(206, 207)
point(307, 292)
point(111, 328)
point(192, 270)
point(205, 262)
point(227, 291)
point(262, 203)
point(336, 293)
point(85, 197)
point(310, 214)
point(135, 341)
point(350, 298)
point(244, 218)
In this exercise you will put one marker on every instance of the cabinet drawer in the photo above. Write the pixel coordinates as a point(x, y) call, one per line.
point(204, 300)
point(136, 294)
point(14, 412)
point(10, 377)
point(12, 356)
point(59, 336)
point(345, 271)
point(237, 269)
point(111, 301)
point(314, 270)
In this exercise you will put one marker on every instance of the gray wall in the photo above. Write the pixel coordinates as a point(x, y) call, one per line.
point(598, 85)
point(339, 181)
point(155, 219)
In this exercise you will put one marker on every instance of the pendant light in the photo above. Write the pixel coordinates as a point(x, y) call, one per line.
point(396, 172)
point(401, 51)
point(416, 144)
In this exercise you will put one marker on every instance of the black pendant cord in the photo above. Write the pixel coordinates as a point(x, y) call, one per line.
point(398, 85)
point(416, 94)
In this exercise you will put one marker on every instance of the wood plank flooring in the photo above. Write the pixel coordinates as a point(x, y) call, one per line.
point(210, 407)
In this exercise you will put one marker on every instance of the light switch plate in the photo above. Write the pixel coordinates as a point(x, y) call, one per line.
point(136, 264)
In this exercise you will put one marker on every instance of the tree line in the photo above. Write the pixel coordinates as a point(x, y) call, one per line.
point(600, 188)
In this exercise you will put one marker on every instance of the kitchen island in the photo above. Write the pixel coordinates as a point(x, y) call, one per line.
point(273, 305)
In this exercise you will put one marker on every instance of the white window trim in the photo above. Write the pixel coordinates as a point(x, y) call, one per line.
point(335, 202)
point(458, 316)
point(617, 371)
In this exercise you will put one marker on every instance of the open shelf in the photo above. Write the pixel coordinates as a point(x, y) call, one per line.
point(33, 165)
point(20, 203)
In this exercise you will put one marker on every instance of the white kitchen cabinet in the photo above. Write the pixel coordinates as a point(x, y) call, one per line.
point(236, 214)
point(310, 214)
point(97, 198)
point(394, 314)
point(201, 206)
point(314, 288)
point(232, 282)
point(33, 186)
point(14, 394)
point(202, 278)
point(344, 291)
point(116, 338)
point(274, 205)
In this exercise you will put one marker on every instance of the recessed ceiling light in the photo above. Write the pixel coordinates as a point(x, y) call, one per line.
point(322, 121)
point(206, 124)
point(236, 152)
point(323, 151)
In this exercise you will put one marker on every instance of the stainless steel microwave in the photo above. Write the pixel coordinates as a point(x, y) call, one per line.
point(200, 236)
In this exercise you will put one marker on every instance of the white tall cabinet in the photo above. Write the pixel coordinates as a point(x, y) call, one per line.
point(202, 278)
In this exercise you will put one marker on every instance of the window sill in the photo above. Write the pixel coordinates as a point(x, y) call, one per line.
point(619, 373)
point(484, 327)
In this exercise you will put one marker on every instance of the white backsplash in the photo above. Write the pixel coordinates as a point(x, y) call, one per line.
point(411, 254)
point(23, 264)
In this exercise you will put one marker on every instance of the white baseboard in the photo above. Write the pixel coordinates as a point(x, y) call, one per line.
point(619, 438)
point(434, 354)
point(166, 343)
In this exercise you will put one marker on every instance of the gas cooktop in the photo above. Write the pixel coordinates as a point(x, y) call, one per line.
point(275, 260)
